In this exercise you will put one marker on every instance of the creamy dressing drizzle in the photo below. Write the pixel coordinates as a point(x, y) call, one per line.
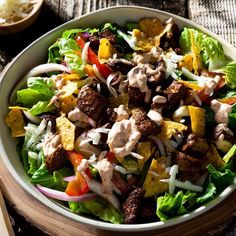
point(221, 111)
point(122, 113)
point(50, 144)
point(122, 137)
point(208, 83)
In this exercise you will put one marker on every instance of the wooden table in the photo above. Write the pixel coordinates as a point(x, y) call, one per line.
point(55, 12)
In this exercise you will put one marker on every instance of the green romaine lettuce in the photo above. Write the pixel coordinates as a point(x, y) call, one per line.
point(73, 32)
point(54, 181)
point(68, 48)
point(98, 207)
point(41, 107)
point(54, 55)
point(230, 74)
point(207, 195)
point(211, 50)
point(169, 206)
point(38, 89)
point(220, 179)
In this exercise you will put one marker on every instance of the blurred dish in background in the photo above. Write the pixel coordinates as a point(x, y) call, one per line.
point(16, 15)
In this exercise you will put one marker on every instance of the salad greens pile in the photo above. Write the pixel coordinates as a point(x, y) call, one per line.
point(129, 124)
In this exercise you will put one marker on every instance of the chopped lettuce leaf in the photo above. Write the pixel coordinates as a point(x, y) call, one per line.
point(54, 181)
point(69, 50)
point(207, 195)
point(215, 57)
point(77, 207)
point(211, 50)
point(73, 32)
point(209, 117)
point(109, 26)
point(41, 107)
point(222, 178)
point(227, 94)
point(33, 162)
point(38, 89)
point(53, 53)
point(230, 74)
point(98, 207)
point(169, 206)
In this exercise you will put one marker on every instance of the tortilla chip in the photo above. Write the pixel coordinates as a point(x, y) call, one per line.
point(145, 149)
point(15, 121)
point(68, 104)
point(67, 131)
point(197, 117)
point(214, 158)
point(151, 26)
point(157, 171)
point(169, 128)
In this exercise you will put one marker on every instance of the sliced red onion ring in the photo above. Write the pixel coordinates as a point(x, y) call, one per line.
point(63, 196)
point(69, 178)
point(45, 68)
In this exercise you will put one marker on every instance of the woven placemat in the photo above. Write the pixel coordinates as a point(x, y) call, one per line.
point(218, 16)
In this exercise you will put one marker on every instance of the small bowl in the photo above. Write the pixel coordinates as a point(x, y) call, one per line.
point(25, 22)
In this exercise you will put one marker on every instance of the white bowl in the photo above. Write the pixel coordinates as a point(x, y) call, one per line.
point(35, 54)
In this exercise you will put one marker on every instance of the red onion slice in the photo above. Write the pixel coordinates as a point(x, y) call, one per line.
point(63, 196)
point(69, 178)
point(45, 68)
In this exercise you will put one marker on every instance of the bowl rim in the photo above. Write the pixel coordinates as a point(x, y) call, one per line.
point(96, 223)
point(36, 7)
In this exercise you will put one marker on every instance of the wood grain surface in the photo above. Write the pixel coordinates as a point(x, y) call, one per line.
point(54, 13)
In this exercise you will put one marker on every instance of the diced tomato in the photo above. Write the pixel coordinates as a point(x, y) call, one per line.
point(111, 157)
point(104, 70)
point(75, 158)
point(79, 185)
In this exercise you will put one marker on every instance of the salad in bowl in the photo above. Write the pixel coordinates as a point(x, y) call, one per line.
point(129, 123)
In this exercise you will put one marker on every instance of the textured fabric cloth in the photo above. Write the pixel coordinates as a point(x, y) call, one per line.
point(218, 16)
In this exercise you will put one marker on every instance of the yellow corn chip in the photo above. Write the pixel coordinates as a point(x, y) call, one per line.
point(169, 128)
point(68, 103)
point(214, 158)
point(15, 121)
point(145, 149)
point(151, 26)
point(157, 171)
point(67, 131)
point(197, 117)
